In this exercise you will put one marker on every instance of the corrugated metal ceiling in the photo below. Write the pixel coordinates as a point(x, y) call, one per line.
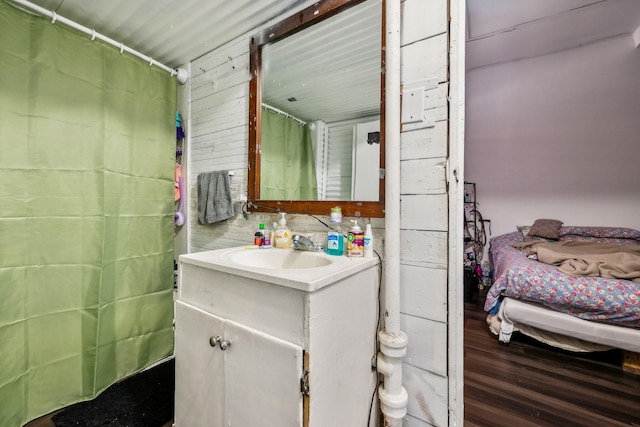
point(330, 71)
point(173, 32)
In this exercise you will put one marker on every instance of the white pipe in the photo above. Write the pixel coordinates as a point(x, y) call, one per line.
point(181, 74)
point(393, 342)
point(393, 397)
point(392, 166)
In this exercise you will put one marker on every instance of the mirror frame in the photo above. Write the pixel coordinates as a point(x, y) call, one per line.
point(316, 13)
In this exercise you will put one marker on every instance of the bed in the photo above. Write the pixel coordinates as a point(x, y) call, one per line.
point(569, 311)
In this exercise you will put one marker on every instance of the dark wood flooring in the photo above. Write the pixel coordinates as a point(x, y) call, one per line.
point(530, 384)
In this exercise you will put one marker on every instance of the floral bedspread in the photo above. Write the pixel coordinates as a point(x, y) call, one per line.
point(591, 298)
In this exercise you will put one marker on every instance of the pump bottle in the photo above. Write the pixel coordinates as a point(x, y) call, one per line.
point(282, 234)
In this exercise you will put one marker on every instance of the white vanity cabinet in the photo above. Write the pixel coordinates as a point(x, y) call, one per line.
point(219, 386)
point(250, 352)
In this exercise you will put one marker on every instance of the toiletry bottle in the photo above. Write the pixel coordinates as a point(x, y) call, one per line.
point(368, 242)
point(335, 239)
point(355, 241)
point(258, 237)
point(266, 241)
point(272, 233)
point(283, 235)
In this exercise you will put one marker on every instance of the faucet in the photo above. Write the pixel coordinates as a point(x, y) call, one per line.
point(302, 243)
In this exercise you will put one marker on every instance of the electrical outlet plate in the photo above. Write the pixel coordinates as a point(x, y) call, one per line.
point(412, 105)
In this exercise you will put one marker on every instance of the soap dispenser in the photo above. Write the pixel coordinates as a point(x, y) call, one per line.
point(282, 234)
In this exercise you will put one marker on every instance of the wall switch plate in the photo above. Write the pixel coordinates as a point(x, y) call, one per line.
point(412, 105)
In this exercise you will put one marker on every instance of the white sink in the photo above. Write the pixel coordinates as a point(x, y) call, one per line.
point(280, 259)
point(287, 267)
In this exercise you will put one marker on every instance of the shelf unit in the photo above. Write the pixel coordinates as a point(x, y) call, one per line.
point(471, 232)
point(470, 214)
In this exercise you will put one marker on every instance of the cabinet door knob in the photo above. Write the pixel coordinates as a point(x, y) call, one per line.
point(213, 341)
point(224, 344)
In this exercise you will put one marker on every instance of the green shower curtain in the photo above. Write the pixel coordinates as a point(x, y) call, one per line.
point(87, 152)
point(287, 168)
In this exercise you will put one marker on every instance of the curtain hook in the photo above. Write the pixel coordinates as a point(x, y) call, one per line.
point(150, 61)
point(93, 34)
point(54, 17)
point(121, 47)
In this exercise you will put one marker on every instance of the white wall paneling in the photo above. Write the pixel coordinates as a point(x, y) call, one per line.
point(424, 143)
point(434, 104)
point(424, 214)
point(427, 395)
point(455, 180)
point(422, 293)
point(422, 19)
point(423, 176)
point(424, 248)
point(220, 116)
point(410, 421)
point(218, 141)
point(425, 60)
point(422, 353)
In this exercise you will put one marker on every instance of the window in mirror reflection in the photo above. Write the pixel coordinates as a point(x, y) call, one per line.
point(321, 100)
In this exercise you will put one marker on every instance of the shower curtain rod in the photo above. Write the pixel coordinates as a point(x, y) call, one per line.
point(181, 74)
point(276, 110)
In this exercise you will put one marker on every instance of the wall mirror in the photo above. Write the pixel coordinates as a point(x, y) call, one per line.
point(316, 111)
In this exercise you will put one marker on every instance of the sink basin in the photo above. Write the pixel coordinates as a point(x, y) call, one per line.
point(279, 259)
point(302, 270)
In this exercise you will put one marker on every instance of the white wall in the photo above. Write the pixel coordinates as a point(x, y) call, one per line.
point(558, 137)
point(218, 140)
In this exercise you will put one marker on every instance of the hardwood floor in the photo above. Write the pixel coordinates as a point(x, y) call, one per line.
point(530, 384)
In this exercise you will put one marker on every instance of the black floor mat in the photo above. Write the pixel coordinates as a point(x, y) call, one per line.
point(143, 400)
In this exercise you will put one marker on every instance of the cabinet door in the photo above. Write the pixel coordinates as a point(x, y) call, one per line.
point(199, 393)
point(262, 379)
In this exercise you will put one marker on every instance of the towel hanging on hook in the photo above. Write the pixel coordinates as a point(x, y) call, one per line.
point(179, 130)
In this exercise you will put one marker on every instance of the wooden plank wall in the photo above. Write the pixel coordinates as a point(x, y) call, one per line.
point(424, 213)
point(219, 120)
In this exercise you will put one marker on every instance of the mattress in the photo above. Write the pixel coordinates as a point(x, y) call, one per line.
point(577, 313)
point(563, 330)
point(613, 301)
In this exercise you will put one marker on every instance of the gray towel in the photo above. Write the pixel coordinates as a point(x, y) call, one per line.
point(214, 197)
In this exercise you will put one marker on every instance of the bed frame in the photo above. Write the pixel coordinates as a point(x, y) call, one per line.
point(563, 330)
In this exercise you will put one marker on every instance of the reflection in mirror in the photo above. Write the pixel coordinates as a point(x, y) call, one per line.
point(315, 119)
